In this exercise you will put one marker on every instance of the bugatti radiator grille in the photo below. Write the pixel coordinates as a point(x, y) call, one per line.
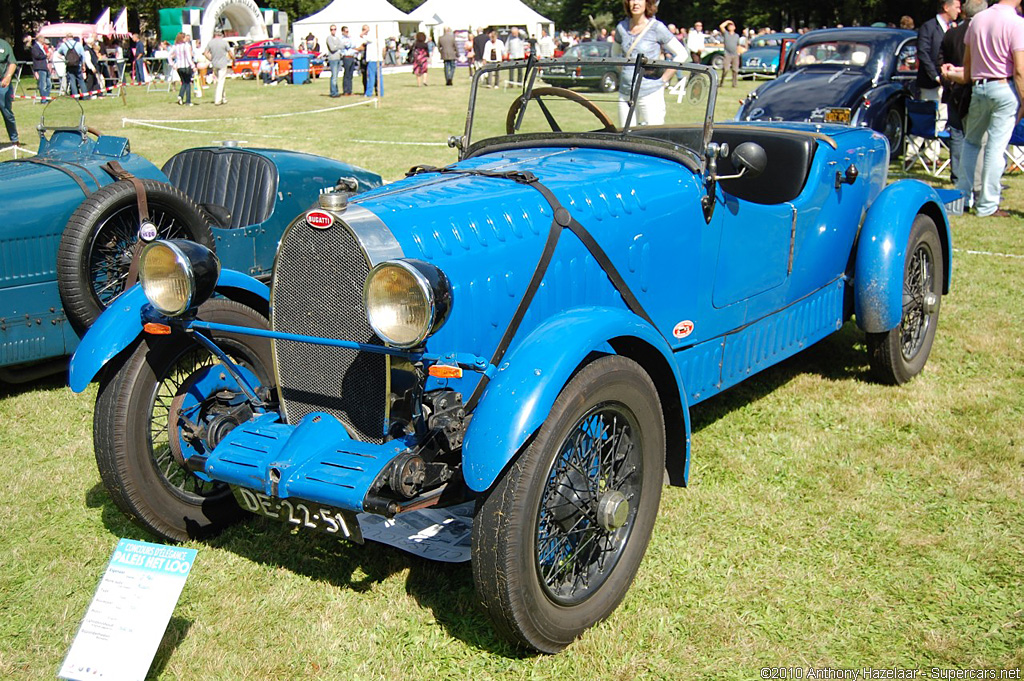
point(318, 291)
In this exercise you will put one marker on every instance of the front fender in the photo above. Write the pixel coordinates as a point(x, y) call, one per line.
point(522, 392)
point(882, 251)
point(121, 324)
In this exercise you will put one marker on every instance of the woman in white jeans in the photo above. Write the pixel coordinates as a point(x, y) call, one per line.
point(642, 33)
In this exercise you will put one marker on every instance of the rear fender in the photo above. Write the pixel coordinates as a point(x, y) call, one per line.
point(522, 392)
point(121, 324)
point(881, 252)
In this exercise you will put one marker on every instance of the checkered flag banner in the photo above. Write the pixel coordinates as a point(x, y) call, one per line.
point(277, 23)
point(191, 23)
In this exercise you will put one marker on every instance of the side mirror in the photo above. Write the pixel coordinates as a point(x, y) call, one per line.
point(750, 159)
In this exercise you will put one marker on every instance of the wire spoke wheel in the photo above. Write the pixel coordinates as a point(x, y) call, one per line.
point(900, 354)
point(112, 246)
point(102, 236)
point(138, 423)
point(589, 504)
point(559, 537)
point(163, 425)
point(917, 287)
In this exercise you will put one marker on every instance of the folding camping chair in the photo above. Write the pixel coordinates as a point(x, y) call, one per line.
point(922, 124)
point(1015, 150)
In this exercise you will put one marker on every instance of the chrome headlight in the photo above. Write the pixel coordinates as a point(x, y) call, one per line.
point(177, 275)
point(406, 301)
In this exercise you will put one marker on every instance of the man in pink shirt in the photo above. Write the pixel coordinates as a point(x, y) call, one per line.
point(993, 60)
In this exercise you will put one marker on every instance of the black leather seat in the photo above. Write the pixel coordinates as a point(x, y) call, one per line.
point(235, 185)
point(789, 154)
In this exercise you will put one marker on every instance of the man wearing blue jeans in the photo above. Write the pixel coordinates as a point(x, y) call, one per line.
point(348, 60)
point(994, 63)
point(41, 68)
point(8, 65)
point(334, 58)
point(371, 53)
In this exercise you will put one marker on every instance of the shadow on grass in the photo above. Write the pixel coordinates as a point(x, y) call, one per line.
point(55, 381)
point(446, 589)
point(176, 632)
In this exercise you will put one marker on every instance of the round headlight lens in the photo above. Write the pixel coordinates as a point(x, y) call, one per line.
point(166, 278)
point(177, 275)
point(406, 301)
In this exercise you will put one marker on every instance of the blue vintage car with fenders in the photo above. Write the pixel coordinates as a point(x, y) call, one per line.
point(73, 217)
point(527, 328)
point(857, 76)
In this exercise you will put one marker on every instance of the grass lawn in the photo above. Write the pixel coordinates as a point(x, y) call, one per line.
point(830, 521)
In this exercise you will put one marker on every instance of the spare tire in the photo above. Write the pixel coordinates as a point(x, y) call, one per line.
point(96, 248)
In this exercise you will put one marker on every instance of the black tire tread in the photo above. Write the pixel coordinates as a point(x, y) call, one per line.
point(119, 458)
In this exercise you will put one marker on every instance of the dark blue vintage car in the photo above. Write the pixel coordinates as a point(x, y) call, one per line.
point(527, 328)
point(73, 223)
point(853, 76)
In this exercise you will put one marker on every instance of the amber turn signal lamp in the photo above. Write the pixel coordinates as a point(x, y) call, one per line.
point(445, 371)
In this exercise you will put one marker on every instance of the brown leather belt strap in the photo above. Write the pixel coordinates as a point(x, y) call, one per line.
point(114, 169)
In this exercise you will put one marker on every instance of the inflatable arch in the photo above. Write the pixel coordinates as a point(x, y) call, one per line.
point(237, 17)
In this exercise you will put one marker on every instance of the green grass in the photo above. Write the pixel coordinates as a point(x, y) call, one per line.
point(829, 521)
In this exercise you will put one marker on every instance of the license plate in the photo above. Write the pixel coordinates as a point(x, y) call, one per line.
point(837, 115)
point(556, 69)
point(307, 515)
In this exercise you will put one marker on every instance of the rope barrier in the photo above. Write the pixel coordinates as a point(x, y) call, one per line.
point(150, 82)
point(990, 253)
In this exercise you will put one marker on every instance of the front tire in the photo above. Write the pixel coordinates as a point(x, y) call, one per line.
point(559, 538)
point(134, 423)
point(900, 354)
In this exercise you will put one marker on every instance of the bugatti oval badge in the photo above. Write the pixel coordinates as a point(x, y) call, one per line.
point(755, 113)
point(319, 219)
point(683, 329)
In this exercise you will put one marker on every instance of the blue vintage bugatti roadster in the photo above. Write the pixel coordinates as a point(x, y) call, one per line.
point(527, 327)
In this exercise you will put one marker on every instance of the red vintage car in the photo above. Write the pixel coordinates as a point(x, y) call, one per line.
point(247, 64)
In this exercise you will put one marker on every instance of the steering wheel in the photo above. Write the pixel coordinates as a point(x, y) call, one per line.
point(537, 93)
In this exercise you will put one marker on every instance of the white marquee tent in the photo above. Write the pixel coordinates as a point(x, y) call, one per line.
point(383, 18)
point(474, 14)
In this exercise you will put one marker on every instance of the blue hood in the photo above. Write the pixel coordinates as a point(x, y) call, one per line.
point(795, 95)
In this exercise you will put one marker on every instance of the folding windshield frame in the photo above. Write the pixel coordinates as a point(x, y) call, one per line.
point(620, 138)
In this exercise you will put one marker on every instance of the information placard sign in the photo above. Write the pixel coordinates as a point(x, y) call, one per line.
point(129, 612)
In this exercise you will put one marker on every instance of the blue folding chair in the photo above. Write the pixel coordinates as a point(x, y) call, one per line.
point(1015, 149)
point(922, 123)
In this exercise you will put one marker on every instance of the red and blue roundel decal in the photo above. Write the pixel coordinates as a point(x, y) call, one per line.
point(683, 329)
point(319, 219)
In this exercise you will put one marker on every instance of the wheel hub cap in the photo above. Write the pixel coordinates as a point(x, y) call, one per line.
point(931, 303)
point(612, 510)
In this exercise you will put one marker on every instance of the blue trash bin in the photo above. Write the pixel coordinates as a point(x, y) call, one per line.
point(300, 70)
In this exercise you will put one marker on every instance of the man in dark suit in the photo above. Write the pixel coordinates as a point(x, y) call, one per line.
point(40, 68)
point(929, 40)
